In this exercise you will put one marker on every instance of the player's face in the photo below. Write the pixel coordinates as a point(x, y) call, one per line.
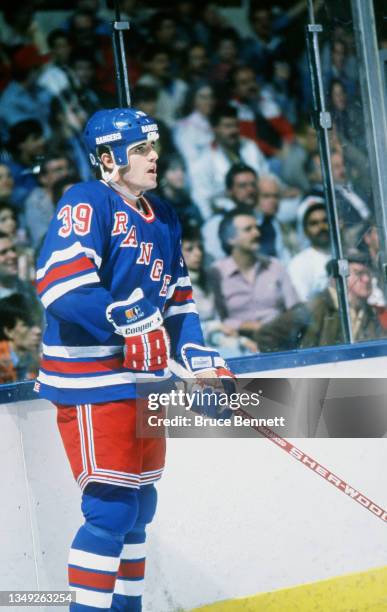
point(141, 173)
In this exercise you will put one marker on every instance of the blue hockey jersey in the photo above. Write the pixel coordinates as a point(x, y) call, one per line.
point(98, 249)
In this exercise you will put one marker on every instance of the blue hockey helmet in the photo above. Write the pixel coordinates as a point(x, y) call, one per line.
point(118, 129)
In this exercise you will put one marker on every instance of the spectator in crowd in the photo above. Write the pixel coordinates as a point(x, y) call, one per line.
point(250, 289)
point(338, 67)
point(260, 117)
point(352, 208)
point(86, 88)
point(26, 145)
point(208, 174)
point(56, 76)
point(162, 30)
point(67, 119)
point(145, 98)
point(185, 18)
point(195, 68)
point(242, 194)
point(39, 205)
point(6, 184)
point(193, 133)
point(368, 242)
point(173, 187)
point(283, 89)
point(295, 155)
point(307, 269)
point(19, 341)
point(23, 98)
point(10, 282)
point(318, 323)
point(272, 243)
point(8, 222)
point(216, 333)
point(86, 39)
point(24, 253)
point(226, 58)
point(171, 91)
point(210, 26)
point(266, 44)
point(102, 26)
point(342, 116)
point(20, 28)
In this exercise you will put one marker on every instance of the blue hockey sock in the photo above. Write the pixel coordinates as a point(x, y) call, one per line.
point(93, 565)
point(129, 585)
point(110, 512)
point(130, 581)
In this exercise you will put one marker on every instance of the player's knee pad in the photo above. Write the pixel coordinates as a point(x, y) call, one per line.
point(147, 498)
point(110, 508)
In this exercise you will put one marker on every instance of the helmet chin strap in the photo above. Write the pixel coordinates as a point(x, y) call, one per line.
point(110, 177)
point(123, 191)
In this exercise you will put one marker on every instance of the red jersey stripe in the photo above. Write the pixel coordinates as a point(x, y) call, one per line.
point(132, 569)
point(180, 295)
point(86, 367)
point(87, 578)
point(80, 265)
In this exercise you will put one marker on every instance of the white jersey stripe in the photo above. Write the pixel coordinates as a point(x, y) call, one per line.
point(55, 292)
point(130, 552)
point(74, 352)
point(133, 588)
point(93, 382)
point(92, 561)
point(69, 253)
point(183, 309)
point(182, 281)
point(84, 382)
point(95, 599)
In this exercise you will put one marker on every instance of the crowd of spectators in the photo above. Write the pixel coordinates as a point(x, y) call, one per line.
point(239, 161)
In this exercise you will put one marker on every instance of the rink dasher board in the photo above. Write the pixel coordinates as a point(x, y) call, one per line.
point(235, 517)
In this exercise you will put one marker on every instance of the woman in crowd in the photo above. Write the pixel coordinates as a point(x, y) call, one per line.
point(193, 133)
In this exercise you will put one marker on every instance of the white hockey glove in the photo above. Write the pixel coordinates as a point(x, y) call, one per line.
point(205, 365)
point(141, 324)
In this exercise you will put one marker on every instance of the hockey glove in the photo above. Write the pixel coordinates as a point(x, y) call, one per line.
point(205, 364)
point(141, 324)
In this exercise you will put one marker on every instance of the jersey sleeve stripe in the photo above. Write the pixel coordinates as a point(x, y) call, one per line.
point(63, 271)
point(181, 295)
point(178, 310)
point(182, 281)
point(65, 254)
point(60, 289)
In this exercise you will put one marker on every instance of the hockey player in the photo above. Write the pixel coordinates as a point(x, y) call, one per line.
point(118, 305)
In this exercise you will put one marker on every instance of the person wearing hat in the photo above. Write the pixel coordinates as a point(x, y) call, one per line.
point(318, 322)
point(307, 269)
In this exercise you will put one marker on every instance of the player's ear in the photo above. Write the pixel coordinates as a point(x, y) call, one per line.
point(107, 160)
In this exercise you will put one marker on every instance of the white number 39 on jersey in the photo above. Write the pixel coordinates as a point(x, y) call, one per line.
point(75, 218)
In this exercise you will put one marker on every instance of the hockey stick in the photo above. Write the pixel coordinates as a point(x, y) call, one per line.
point(308, 461)
point(121, 69)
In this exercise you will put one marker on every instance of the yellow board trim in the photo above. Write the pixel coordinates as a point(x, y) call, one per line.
point(360, 592)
